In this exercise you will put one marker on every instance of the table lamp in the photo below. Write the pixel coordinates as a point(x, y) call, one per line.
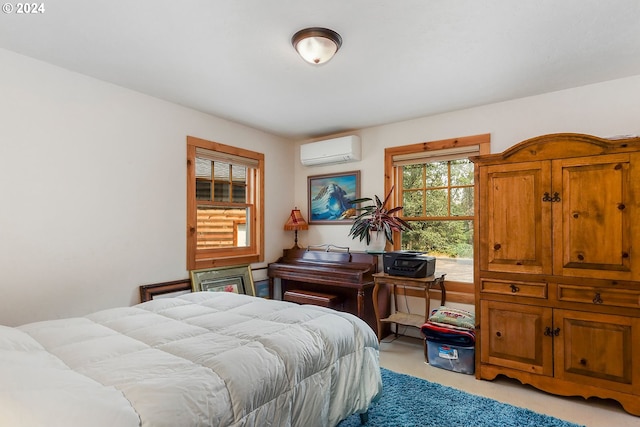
point(295, 222)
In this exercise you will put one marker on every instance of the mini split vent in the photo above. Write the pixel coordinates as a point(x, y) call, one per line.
point(331, 151)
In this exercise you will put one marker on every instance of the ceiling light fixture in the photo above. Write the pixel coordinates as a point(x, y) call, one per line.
point(316, 45)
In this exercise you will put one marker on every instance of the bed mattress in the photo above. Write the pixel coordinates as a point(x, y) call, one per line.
point(201, 359)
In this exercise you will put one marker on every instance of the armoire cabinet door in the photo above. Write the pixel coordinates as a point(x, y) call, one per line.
point(593, 226)
point(513, 336)
point(515, 222)
point(597, 349)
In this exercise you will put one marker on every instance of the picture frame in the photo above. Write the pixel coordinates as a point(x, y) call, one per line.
point(329, 195)
point(237, 279)
point(262, 288)
point(165, 289)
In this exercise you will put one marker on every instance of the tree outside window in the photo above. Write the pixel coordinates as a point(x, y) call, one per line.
point(434, 183)
point(438, 203)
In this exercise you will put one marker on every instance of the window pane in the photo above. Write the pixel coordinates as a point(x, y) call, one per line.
point(451, 242)
point(239, 174)
point(437, 174)
point(412, 203)
point(462, 201)
point(219, 227)
point(203, 168)
point(461, 172)
point(412, 176)
point(221, 191)
point(203, 189)
point(239, 193)
point(437, 203)
point(221, 171)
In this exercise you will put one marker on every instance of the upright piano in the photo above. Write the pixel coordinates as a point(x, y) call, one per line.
point(347, 275)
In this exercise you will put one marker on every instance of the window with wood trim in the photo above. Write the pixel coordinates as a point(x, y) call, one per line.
point(225, 187)
point(434, 182)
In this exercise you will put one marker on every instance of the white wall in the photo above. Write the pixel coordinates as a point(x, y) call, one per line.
point(93, 190)
point(92, 178)
point(605, 109)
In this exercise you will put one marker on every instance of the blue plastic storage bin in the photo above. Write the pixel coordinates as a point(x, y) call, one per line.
point(451, 357)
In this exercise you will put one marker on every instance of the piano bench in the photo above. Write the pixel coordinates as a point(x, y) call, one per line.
point(301, 296)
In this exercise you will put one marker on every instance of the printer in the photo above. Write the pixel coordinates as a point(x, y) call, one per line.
point(408, 264)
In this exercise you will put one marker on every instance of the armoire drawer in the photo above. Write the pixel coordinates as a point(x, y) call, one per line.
point(515, 288)
point(599, 296)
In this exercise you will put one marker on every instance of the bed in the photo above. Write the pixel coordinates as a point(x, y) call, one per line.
point(200, 359)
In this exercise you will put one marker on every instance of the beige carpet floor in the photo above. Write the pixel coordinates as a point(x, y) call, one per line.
point(405, 355)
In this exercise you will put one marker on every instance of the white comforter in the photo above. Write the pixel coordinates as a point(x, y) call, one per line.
point(202, 359)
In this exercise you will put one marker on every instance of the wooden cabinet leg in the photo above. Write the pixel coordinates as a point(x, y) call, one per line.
point(443, 294)
point(376, 309)
point(427, 301)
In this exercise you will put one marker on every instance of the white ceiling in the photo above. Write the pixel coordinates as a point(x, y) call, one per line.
point(400, 59)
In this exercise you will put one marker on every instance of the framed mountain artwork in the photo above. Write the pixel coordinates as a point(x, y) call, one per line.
point(330, 197)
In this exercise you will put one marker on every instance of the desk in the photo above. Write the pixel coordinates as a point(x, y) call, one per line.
point(390, 283)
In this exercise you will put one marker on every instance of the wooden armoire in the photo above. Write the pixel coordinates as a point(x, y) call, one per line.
point(557, 266)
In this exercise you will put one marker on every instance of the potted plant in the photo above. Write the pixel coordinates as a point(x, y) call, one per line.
point(375, 218)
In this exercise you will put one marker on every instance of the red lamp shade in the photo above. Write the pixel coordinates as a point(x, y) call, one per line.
point(296, 222)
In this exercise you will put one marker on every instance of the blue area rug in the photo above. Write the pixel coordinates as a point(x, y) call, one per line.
point(413, 402)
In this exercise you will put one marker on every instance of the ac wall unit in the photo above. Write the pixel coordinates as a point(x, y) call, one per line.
point(337, 150)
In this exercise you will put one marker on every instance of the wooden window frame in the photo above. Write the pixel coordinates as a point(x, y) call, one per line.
point(462, 292)
point(220, 257)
